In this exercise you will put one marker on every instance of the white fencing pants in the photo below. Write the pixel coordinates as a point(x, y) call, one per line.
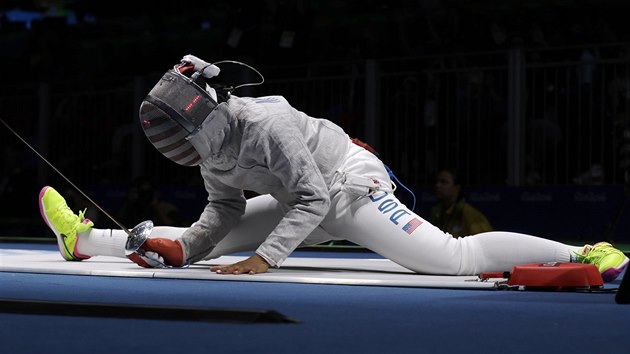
point(381, 223)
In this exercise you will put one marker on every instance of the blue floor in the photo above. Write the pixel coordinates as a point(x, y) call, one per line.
point(333, 319)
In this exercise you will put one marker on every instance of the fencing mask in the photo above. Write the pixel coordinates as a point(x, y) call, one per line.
point(175, 109)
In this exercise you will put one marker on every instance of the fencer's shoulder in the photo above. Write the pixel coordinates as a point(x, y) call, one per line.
point(268, 123)
point(270, 100)
point(273, 99)
point(260, 109)
point(257, 105)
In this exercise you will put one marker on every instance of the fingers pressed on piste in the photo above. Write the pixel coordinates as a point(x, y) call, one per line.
point(252, 265)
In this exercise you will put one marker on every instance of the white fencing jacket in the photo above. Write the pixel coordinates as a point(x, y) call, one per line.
point(266, 146)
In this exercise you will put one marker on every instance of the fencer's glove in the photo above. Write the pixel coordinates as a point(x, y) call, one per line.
point(159, 253)
point(207, 70)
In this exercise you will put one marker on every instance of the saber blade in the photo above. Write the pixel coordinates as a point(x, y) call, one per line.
point(129, 233)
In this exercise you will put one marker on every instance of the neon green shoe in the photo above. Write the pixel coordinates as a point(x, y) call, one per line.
point(63, 222)
point(609, 260)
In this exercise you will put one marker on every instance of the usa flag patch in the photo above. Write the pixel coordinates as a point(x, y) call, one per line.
point(412, 225)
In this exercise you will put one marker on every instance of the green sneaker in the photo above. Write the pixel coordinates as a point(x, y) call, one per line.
point(63, 222)
point(609, 260)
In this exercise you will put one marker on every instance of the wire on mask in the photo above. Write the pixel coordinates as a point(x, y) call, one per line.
point(262, 78)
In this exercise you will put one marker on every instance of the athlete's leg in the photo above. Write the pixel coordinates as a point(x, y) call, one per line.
point(76, 237)
point(262, 214)
point(383, 224)
point(111, 242)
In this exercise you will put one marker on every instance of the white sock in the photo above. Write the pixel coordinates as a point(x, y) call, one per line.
point(500, 250)
point(102, 242)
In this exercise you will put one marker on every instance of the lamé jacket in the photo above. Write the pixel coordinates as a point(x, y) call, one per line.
point(266, 146)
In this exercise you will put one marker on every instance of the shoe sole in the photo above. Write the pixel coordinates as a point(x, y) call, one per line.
point(60, 244)
point(611, 274)
point(42, 209)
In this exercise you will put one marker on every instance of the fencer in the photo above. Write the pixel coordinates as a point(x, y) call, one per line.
point(315, 183)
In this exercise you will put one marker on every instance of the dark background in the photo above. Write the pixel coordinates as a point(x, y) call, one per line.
point(79, 45)
point(88, 40)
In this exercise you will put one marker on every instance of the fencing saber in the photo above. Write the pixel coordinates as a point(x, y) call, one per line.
point(136, 236)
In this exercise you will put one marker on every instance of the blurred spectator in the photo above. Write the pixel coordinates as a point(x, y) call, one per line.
point(453, 214)
point(586, 68)
point(545, 136)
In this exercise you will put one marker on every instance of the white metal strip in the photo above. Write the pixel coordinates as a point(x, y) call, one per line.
point(335, 271)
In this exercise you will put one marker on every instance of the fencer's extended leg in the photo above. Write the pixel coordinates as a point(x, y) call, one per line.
point(262, 215)
point(386, 226)
point(383, 224)
point(76, 237)
point(111, 242)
